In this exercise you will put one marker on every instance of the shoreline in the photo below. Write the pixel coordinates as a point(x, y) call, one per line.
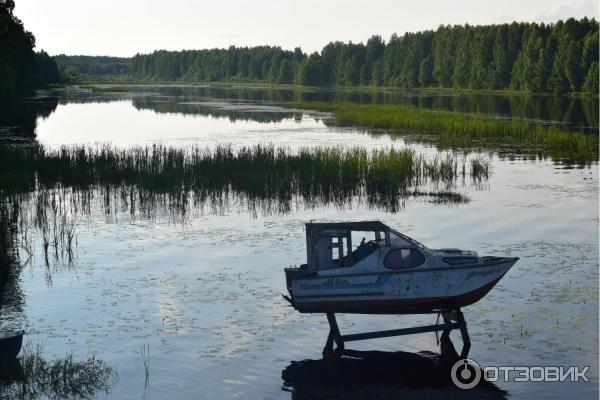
point(434, 90)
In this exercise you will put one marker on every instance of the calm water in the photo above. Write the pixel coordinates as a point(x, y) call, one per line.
point(204, 296)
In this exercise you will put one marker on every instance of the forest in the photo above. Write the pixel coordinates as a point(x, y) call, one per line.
point(531, 57)
point(21, 68)
point(528, 57)
point(93, 65)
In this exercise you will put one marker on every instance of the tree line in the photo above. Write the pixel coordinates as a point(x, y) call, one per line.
point(560, 57)
point(21, 68)
point(93, 65)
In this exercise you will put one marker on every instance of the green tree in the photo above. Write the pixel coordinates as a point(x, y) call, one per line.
point(502, 64)
point(426, 71)
point(525, 56)
point(463, 63)
point(482, 68)
point(286, 72)
point(589, 54)
point(311, 71)
point(571, 65)
point(349, 74)
point(377, 73)
point(46, 68)
point(530, 69)
point(590, 84)
point(21, 69)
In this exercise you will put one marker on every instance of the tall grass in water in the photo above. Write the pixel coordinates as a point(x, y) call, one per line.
point(54, 187)
point(260, 173)
point(145, 354)
point(455, 126)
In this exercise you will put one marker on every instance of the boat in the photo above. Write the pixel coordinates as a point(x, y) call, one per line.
point(10, 344)
point(390, 274)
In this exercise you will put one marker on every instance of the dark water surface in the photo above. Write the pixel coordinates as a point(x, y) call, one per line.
point(197, 303)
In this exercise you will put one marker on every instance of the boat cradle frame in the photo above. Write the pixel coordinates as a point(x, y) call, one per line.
point(453, 319)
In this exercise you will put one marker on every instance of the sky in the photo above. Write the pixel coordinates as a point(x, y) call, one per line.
point(126, 27)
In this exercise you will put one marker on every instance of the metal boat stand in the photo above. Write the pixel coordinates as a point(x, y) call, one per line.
point(452, 320)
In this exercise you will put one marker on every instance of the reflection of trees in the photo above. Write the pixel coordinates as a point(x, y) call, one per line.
point(18, 119)
point(31, 376)
point(11, 296)
point(590, 110)
point(213, 111)
point(549, 108)
point(147, 177)
point(179, 99)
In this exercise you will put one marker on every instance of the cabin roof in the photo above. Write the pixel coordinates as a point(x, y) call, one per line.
point(353, 226)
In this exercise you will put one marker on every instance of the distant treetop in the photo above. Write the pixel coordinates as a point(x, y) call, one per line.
point(559, 57)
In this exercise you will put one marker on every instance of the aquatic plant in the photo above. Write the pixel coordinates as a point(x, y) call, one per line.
point(145, 354)
point(106, 89)
point(319, 175)
point(455, 127)
point(32, 376)
point(480, 169)
point(53, 188)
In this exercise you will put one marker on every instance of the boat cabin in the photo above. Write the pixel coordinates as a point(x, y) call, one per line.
point(329, 245)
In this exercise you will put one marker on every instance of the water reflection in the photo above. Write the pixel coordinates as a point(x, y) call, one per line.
point(11, 298)
point(222, 315)
point(260, 104)
point(382, 375)
point(11, 295)
point(18, 120)
point(55, 189)
point(31, 376)
point(577, 112)
point(234, 112)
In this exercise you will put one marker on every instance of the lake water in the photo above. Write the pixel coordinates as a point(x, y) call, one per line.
point(204, 296)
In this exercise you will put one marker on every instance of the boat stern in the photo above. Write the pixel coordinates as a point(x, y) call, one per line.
point(292, 273)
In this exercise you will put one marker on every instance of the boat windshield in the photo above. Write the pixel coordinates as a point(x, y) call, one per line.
point(399, 240)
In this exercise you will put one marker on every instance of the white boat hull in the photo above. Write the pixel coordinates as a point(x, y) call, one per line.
point(418, 290)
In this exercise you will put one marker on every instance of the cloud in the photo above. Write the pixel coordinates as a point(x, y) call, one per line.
point(567, 9)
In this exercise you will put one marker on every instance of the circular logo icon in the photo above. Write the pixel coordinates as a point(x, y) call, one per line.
point(465, 373)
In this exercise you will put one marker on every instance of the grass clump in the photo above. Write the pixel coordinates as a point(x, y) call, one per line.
point(318, 174)
point(31, 376)
point(106, 89)
point(54, 188)
point(255, 174)
point(453, 126)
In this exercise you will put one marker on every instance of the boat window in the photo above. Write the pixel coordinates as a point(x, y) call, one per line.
point(403, 258)
point(359, 237)
point(398, 241)
point(339, 254)
point(365, 244)
point(460, 260)
point(364, 250)
point(337, 248)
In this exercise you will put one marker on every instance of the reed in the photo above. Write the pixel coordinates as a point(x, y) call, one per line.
point(32, 376)
point(145, 354)
point(260, 172)
point(106, 89)
point(54, 188)
point(452, 126)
